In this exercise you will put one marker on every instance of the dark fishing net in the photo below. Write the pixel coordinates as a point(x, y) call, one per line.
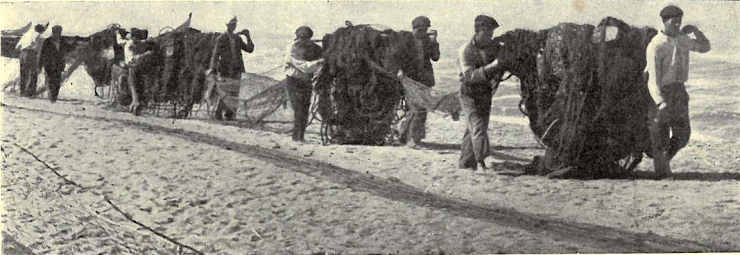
point(584, 94)
point(359, 95)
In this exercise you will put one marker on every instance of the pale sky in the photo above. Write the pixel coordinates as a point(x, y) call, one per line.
point(453, 19)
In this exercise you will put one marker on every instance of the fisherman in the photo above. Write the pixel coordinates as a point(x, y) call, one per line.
point(302, 60)
point(29, 47)
point(138, 66)
point(477, 70)
point(667, 70)
point(227, 61)
point(413, 128)
point(52, 59)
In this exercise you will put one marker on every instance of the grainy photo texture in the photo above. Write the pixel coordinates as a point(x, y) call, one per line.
point(374, 127)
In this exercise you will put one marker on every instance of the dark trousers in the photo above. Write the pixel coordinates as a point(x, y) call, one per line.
point(414, 125)
point(299, 93)
point(54, 82)
point(475, 146)
point(670, 127)
point(29, 72)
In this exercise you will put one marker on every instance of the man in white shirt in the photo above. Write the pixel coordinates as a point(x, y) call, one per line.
point(668, 68)
point(29, 46)
point(302, 60)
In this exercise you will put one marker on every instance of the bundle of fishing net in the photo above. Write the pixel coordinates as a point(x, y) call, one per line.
point(359, 93)
point(586, 98)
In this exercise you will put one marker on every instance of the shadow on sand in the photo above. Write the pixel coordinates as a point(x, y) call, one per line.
point(455, 146)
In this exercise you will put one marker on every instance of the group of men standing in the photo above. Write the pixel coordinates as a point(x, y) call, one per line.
point(37, 53)
point(667, 69)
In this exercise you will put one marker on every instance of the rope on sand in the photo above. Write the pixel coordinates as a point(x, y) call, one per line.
point(125, 215)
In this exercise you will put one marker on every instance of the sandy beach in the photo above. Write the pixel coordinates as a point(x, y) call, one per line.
point(82, 176)
point(230, 190)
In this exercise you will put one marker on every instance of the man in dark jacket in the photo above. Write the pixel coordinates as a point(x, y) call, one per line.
point(302, 59)
point(477, 70)
point(52, 60)
point(413, 126)
point(227, 60)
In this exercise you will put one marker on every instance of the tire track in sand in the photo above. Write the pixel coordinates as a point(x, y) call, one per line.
point(601, 237)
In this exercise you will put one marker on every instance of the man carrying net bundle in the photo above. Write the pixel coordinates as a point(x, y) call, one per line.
point(413, 126)
point(302, 60)
point(668, 68)
point(227, 61)
point(477, 69)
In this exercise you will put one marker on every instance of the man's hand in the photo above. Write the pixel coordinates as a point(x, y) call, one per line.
point(209, 71)
point(662, 106)
point(433, 35)
point(689, 29)
point(489, 68)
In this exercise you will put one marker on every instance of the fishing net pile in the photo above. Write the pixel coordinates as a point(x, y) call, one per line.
point(10, 39)
point(585, 95)
point(359, 93)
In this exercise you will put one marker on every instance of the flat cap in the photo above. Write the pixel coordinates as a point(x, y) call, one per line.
point(421, 21)
point(670, 12)
point(39, 28)
point(304, 32)
point(232, 21)
point(485, 21)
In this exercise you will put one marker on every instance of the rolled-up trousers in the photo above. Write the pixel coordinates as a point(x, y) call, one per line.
point(299, 93)
point(475, 145)
point(670, 127)
point(29, 68)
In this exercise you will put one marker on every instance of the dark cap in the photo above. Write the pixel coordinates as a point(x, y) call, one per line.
point(39, 28)
point(671, 11)
point(485, 21)
point(232, 21)
point(421, 21)
point(56, 28)
point(304, 32)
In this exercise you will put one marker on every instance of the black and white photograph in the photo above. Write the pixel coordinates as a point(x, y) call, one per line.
point(321, 127)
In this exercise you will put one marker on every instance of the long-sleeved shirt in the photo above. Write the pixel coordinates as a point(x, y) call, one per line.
point(302, 59)
point(430, 53)
point(227, 58)
point(471, 63)
point(30, 40)
point(668, 60)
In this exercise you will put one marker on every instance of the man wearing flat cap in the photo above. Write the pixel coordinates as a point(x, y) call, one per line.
point(478, 69)
point(227, 61)
point(667, 70)
point(52, 60)
point(412, 127)
point(302, 60)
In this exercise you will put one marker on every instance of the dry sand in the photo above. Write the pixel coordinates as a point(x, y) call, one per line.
point(228, 190)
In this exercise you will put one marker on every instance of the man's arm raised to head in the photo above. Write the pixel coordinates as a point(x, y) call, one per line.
point(701, 43)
